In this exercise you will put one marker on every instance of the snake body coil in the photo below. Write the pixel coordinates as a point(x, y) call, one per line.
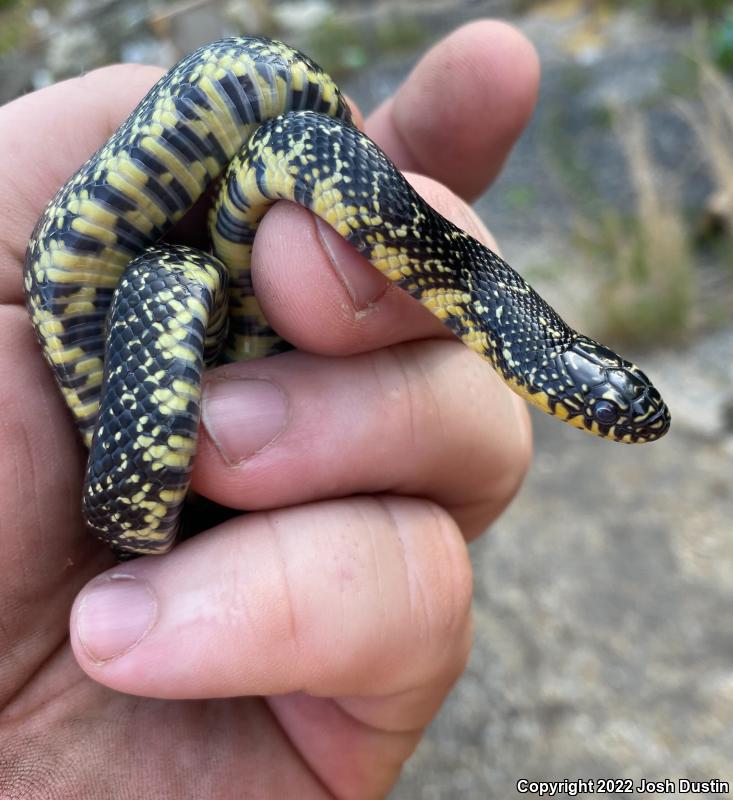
point(128, 324)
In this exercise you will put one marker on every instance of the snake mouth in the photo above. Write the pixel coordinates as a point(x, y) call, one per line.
point(647, 428)
point(656, 425)
point(653, 424)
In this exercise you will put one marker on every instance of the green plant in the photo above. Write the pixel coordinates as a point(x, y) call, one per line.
point(14, 24)
point(337, 46)
point(520, 198)
point(721, 42)
point(680, 77)
point(578, 177)
point(664, 9)
point(680, 9)
point(399, 33)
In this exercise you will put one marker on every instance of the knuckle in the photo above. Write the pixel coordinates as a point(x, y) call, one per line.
point(441, 591)
point(438, 570)
point(452, 588)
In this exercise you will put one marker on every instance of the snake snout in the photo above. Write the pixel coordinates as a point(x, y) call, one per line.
point(618, 399)
point(648, 417)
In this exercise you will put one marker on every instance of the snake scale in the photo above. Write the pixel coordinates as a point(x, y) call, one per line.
point(128, 322)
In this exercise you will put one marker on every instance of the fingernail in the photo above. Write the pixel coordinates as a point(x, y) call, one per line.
point(363, 282)
point(114, 614)
point(243, 416)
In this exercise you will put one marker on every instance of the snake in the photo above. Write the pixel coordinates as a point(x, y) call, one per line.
point(128, 321)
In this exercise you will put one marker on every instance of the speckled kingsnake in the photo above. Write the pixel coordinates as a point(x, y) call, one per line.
point(127, 324)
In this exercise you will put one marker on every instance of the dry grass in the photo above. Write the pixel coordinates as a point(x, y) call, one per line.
point(712, 121)
point(647, 289)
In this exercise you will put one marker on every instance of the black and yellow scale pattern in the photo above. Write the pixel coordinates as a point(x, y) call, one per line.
point(128, 323)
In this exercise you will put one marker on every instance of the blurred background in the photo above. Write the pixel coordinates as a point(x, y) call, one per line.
point(604, 598)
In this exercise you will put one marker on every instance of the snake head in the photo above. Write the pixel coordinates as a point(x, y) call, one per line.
point(611, 397)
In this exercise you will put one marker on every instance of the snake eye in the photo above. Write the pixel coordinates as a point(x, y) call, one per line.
point(606, 412)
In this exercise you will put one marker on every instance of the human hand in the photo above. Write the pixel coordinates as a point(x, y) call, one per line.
point(335, 617)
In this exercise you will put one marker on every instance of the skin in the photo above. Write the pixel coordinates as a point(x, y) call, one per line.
point(314, 639)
